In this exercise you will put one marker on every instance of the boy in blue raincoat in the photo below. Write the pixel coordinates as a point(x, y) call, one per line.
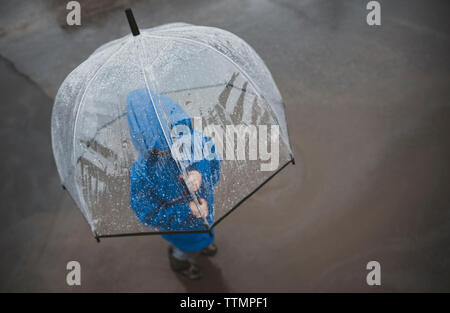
point(158, 192)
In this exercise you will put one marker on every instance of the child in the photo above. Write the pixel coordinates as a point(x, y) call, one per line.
point(158, 193)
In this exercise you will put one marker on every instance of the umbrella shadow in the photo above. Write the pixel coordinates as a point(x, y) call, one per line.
point(212, 281)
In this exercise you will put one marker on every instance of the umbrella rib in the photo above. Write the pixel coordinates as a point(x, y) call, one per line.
point(169, 143)
point(217, 51)
point(165, 93)
point(145, 233)
point(277, 171)
point(252, 83)
point(89, 84)
point(78, 113)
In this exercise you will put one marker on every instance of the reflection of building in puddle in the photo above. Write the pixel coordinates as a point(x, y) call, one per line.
point(241, 123)
point(238, 104)
point(104, 178)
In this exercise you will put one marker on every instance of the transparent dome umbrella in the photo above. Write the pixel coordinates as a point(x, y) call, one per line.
point(208, 74)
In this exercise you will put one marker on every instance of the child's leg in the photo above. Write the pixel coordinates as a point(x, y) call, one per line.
point(184, 256)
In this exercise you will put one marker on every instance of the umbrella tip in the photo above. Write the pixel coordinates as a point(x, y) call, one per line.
point(133, 26)
point(96, 237)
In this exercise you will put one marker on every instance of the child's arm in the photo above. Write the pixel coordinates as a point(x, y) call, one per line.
point(144, 204)
point(153, 213)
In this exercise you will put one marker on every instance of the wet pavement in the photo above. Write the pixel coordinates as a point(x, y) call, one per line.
point(368, 114)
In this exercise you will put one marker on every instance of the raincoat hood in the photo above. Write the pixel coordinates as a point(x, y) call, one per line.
point(145, 128)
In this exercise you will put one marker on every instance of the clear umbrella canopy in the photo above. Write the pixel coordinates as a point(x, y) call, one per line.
point(214, 77)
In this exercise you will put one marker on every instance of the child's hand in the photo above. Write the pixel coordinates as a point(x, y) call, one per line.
point(195, 179)
point(203, 208)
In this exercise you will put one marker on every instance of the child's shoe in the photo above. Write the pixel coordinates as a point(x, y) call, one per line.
point(185, 268)
point(210, 250)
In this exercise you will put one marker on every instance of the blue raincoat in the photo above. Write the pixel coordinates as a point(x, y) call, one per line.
point(158, 196)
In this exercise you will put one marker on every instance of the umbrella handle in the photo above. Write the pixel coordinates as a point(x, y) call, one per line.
point(205, 222)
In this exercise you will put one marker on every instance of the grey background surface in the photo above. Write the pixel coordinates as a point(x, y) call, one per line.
point(368, 115)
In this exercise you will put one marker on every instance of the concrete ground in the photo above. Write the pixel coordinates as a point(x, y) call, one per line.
point(369, 115)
